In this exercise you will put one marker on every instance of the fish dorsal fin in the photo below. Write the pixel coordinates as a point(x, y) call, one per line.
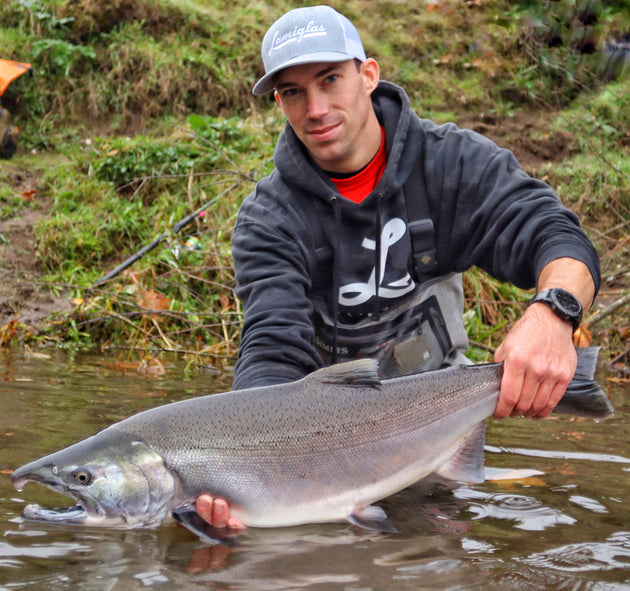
point(360, 372)
point(466, 464)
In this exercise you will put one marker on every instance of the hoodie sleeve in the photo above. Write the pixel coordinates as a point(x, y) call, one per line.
point(273, 281)
point(491, 214)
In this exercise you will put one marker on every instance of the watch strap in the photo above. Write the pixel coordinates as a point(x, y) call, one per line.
point(563, 303)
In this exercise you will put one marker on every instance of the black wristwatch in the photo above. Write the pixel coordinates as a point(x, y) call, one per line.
point(563, 303)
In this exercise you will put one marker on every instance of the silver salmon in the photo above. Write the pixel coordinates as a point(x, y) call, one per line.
point(320, 449)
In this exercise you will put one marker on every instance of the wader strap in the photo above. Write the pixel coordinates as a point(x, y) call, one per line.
point(421, 230)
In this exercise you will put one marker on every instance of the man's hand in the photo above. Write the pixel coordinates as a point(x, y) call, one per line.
point(217, 512)
point(538, 354)
point(539, 361)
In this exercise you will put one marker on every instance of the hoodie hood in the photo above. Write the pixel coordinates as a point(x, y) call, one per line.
point(391, 105)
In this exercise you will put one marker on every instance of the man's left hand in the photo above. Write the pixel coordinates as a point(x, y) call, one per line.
point(539, 361)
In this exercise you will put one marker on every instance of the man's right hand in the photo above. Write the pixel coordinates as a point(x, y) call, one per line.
point(216, 512)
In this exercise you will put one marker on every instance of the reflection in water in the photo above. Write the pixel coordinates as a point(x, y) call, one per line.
point(565, 529)
point(613, 553)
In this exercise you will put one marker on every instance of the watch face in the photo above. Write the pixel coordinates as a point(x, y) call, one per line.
point(567, 302)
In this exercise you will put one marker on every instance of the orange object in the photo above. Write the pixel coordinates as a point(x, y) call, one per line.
point(9, 71)
point(582, 337)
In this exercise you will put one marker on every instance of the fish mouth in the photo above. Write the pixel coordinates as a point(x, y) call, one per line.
point(85, 511)
point(75, 514)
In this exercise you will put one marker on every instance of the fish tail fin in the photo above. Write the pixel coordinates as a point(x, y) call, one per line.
point(584, 397)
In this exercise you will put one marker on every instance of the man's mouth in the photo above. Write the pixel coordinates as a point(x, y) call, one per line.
point(324, 133)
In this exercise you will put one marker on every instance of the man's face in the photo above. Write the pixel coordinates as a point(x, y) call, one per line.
point(328, 106)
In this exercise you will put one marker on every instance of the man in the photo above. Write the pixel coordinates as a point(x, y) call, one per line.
point(354, 245)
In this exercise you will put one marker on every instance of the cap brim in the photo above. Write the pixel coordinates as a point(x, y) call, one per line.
point(265, 84)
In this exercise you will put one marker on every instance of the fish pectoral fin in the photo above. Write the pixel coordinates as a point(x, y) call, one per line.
point(191, 520)
point(466, 464)
point(372, 517)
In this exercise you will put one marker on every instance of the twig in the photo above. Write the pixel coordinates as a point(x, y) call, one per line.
point(488, 348)
point(608, 310)
point(143, 179)
point(620, 356)
point(120, 317)
point(164, 338)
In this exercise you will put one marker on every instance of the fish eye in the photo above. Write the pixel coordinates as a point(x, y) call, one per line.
point(82, 476)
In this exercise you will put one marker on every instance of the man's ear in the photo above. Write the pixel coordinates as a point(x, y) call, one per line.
point(371, 74)
point(278, 100)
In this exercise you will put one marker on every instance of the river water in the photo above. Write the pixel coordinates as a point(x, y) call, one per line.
point(567, 529)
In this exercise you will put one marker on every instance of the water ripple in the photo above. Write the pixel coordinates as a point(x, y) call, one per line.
point(614, 553)
point(526, 512)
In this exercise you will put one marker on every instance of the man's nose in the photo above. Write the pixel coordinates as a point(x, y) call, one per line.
point(317, 105)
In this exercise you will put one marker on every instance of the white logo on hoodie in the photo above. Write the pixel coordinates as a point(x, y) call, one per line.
point(355, 294)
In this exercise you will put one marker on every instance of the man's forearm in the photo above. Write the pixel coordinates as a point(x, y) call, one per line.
point(569, 274)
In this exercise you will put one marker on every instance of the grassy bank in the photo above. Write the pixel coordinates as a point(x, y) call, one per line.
point(149, 104)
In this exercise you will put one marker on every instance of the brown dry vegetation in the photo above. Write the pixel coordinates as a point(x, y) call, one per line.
point(525, 77)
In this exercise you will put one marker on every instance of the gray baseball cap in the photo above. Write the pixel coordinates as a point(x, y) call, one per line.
point(306, 36)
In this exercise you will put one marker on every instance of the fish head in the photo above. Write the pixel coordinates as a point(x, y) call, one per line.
point(115, 481)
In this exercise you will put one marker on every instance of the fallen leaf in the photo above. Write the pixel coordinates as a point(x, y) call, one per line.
point(575, 435)
point(624, 332)
point(153, 300)
point(445, 59)
point(582, 337)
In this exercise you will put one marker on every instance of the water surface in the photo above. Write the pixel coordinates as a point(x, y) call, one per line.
point(566, 529)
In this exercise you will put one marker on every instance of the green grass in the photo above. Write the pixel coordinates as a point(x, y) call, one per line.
point(150, 104)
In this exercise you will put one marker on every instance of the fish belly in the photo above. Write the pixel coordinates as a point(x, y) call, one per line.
point(331, 487)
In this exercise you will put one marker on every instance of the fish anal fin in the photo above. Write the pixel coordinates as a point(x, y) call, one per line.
point(467, 463)
point(191, 520)
point(372, 517)
point(359, 372)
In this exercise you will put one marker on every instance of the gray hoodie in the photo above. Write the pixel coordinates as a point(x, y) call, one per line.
point(298, 245)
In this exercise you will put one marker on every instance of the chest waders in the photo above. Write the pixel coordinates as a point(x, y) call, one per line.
point(423, 330)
